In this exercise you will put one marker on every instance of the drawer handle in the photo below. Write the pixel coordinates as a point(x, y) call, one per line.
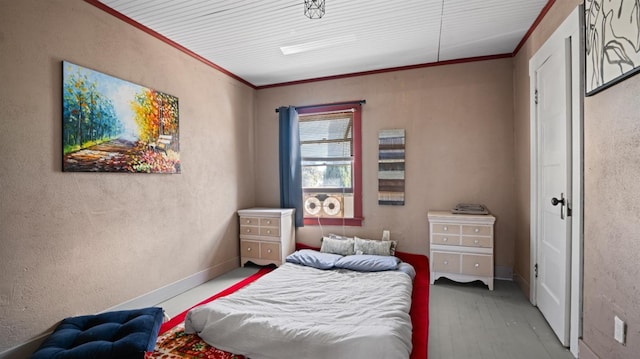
point(249, 249)
point(248, 230)
point(477, 265)
point(477, 230)
point(445, 239)
point(445, 228)
point(268, 231)
point(268, 250)
point(269, 222)
point(475, 241)
point(248, 221)
point(445, 262)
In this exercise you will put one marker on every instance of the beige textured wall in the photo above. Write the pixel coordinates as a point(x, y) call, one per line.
point(459, 132)
point(80, 243)
point(556, 15)
point(612, 219)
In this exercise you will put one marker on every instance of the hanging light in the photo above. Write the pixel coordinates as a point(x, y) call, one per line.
point(314, 9)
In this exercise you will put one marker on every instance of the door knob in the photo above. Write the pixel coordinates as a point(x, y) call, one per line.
point(562, 202)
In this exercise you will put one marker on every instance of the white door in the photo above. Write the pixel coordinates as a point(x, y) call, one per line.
point(553, 120)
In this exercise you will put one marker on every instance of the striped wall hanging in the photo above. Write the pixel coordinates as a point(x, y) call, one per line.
point(391, 145)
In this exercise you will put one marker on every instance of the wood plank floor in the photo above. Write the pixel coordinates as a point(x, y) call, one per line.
point(469, 321)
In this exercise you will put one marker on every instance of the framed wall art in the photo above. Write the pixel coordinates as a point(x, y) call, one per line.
point(391, 146)
point(612, 42)
point(112, 125)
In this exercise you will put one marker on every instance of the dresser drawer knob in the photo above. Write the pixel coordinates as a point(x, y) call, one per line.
point(477, 265)
point(268, 231)
point(248, 230)
point(445, 239)
point(445, 262)
point(248, 221)
point(475, 241)
point(477, 230)
point(248, 249)
point(268, 221)
point(268, 250)
point(445, 228)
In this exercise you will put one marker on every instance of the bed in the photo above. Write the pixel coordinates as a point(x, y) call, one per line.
point(303, 310)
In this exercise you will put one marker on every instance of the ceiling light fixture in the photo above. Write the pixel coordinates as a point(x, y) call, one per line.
point(314, 9)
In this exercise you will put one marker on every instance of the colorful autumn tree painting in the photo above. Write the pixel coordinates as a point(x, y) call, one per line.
point(112, 125)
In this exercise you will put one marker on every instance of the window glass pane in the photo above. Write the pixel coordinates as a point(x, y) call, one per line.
point(340, 149)
point(335, 175)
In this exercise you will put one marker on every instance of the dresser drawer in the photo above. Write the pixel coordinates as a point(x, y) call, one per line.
point(484, 242)
point(249, 231)
point(446, 262)
point(250, 249)
point(270, 222)
point(270, 251)
point(478, 230)
point(270, 232)
point(453, 240)
point(249, 221)
point(478, 265)
point(446, 228)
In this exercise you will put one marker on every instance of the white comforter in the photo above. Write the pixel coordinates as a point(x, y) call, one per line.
point(299, 312)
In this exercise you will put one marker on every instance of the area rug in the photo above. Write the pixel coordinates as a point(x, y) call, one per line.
point(174, 343)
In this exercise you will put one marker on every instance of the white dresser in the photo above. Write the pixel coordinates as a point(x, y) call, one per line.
point(267, 235)
point(461, 247)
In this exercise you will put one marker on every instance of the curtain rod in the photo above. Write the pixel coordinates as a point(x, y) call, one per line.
point(361, 102)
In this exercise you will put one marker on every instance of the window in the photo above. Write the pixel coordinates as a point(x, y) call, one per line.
point(331, 164)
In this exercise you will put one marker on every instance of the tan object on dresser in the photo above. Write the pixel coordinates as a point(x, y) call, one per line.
point(461, 247)
point(267, 235)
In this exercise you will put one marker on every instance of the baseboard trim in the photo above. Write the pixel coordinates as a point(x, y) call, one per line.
point(504, 273)
point(150, 299)
point(523, 284)
point(584, 352)
point(171, 290)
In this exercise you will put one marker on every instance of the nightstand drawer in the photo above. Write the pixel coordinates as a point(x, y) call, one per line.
point(453, 240)
point(270, 232)
point(270, 251)
point(250, 249)
point(446, 228)
point(249, 231)
point(476, 230)
point(270, 222)
point(446, 262)
point(484, 242)
point(479, 265)
point(249, 221)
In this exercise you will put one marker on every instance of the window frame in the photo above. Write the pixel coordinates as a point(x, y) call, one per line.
point(356, 174)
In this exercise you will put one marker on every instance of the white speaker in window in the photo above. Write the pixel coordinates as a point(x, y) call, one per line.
point(312, 206)
point(332, 206)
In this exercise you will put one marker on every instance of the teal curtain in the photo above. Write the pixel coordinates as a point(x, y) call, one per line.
point(290, 163)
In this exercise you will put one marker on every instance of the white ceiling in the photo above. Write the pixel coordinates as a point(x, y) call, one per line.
point(244, 37)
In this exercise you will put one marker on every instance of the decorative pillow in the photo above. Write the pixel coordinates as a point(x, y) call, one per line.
point(369, 246)
point(408, 269)
point(315, 259)
point(343, 247)
point(368, 263)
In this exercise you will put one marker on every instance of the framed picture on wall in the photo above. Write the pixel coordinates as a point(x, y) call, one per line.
point(113, 125)
point(612, 42)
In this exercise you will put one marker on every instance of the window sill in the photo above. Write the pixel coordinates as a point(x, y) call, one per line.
point(356, 222)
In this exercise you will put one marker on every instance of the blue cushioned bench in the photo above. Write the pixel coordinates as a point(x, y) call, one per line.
point(126, 334)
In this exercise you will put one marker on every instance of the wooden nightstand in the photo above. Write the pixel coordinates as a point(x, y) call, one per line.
point(267, 235)
point(461, 247)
